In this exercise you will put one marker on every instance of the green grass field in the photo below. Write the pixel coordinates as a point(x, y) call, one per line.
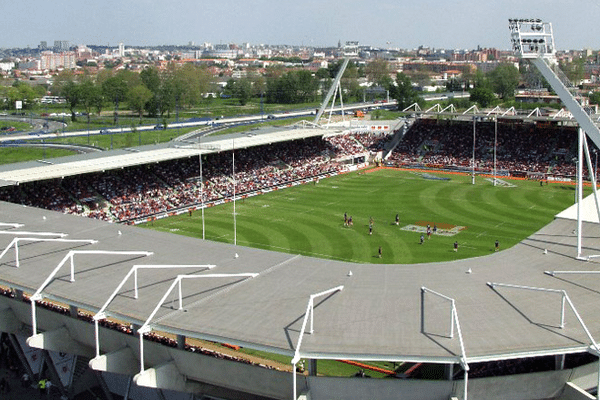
point(10, 155)
point(309, 219)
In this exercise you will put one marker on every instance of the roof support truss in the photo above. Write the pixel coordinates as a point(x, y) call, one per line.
point(38, 295)
point(15, 243)
point(146, 327)
point(454, 322)
point(308, 314)
point(102, 314)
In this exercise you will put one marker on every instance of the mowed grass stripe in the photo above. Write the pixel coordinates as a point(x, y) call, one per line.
point(517, 206)
point(309, 219)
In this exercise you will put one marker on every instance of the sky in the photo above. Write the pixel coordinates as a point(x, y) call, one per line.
point(463, 24)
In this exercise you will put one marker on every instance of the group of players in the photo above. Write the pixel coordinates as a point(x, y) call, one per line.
point(429, 231)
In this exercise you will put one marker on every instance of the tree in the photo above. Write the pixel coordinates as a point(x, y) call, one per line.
point(574, 70)
point(305, 85)
point(322, 73)
point(115, 89)
point(504, 80)
point(190, 83)
point(66, 86)
point(378, 72)
point(403, 92)
point(257, 80)
point(482, 92)
point(90, 95)
point(595, 98)
point(292, 88)
point(483, 95)
point(453, 85)
point(151, 79)
point(243, 90)
point(334, 67)
point(532, 77)
point(138, 96)
point(20, 91)
point(174, 87)
point(229, 88)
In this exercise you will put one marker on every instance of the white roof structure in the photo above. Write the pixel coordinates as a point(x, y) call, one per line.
point(588, 210)
point(381, 314)
point(78, 165)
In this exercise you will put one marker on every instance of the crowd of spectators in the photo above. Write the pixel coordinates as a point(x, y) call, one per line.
point(521, 148)
point(527, 365)
point(139, 192)
point(129, 330)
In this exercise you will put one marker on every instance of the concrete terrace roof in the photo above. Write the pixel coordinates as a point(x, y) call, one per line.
point(12, 174)
point(379, 314)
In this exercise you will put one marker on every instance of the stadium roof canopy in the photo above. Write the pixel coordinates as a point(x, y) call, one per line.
point(382, 312)
point(12, 174)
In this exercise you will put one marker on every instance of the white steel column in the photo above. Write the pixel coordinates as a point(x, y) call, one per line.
point(454, 321)
point(592, 172)
point(342, 103)
point(97, 336)
point(579, 188)
point(202, 195)
point(332, 90)
point(495, 146)
point(234, 185)
point(474, 123)
point(33, 317)
point(332, 104)
point(308, 314)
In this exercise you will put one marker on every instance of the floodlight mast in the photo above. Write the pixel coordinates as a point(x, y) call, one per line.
point(533, 39)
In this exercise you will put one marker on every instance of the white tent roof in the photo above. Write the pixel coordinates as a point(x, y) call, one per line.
point(589, 212)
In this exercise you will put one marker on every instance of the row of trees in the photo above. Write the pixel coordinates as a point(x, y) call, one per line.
point(155, 92)
point(160, 92)
point(20, 91)
point(485, 89)
point(281, 86)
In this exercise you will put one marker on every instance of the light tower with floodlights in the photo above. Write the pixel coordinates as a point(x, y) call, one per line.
point(533, 39)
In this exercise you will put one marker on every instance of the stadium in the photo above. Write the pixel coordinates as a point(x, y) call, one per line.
point(80, 278)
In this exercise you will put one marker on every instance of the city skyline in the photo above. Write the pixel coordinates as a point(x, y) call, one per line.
point(386, 24)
